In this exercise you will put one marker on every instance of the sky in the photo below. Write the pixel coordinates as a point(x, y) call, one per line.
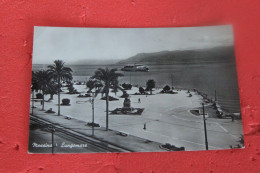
point(73, 45)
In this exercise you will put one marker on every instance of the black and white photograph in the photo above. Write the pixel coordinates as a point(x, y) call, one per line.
point(99, 90)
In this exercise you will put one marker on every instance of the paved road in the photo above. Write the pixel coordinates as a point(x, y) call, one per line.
point(63, 140)
point(182, 129)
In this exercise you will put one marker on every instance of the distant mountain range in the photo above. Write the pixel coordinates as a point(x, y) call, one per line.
point(211, 55)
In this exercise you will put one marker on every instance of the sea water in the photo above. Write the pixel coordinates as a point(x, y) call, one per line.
point(205, 77)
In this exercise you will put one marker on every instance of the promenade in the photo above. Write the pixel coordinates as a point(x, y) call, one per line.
point(74, 136)
point(166, 117)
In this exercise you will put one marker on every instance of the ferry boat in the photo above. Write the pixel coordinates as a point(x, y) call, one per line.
point(135, 67)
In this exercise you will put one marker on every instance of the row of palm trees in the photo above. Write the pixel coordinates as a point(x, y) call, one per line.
point(49, 81)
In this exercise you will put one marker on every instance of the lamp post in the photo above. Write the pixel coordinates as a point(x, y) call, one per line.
point(205, 127)
point(93, 108)
point(52, 139)
point(92, 103)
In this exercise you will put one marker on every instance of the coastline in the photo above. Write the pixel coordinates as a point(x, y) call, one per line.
point(200, 76)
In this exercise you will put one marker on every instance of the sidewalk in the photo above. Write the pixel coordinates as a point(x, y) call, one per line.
point(132, 143)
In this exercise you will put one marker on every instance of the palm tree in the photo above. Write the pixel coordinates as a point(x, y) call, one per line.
point(108, 77)
point(42, 81)
point(34, 87)
point(60, 73)
point(150, 84)
point(115, 86)
point(53, 89)
point(94, 83)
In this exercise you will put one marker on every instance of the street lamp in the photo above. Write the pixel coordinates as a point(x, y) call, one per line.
point(205, 127)
point(52, 138)
point(92, 102)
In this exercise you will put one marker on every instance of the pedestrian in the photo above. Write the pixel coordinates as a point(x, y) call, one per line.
point(144, 126)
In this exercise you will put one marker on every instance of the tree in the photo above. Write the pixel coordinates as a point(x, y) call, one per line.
point(150, 84)
point(71, 89)
point(34, 87)
point(94, 83)
point(60, 73)
point(166, 88)
point(141, 90)
point(127, 86)
point(42, 80)
point(53, 89)
point(108, 77)
point(115, 86)
point(90, 85)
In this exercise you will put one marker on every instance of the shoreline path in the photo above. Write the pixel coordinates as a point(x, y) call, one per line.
point(167, 118)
